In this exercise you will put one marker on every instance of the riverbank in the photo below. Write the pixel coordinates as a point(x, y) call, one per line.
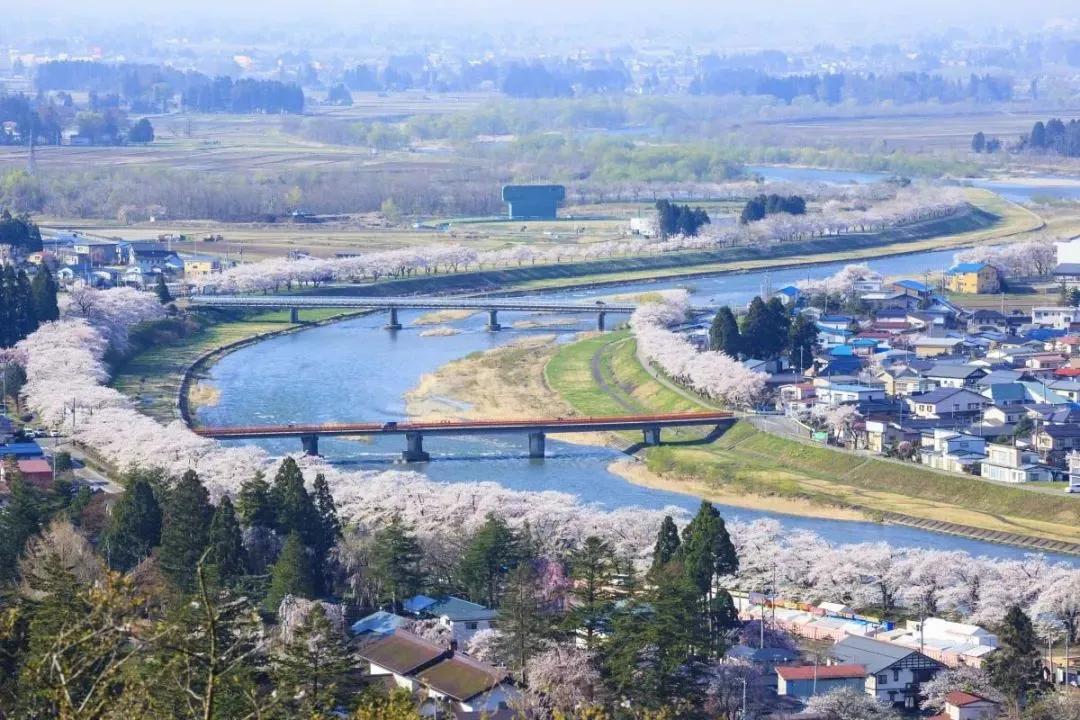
point(602, 375)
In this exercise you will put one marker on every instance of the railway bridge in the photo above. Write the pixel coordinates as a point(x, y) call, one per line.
point(491, 305)
point(414, 432)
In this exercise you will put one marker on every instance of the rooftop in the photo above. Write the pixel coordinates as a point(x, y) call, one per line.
point(400, 652)
point(966, 267)
point(958, 698)
point(461, 677)
point(822, 672)
point(875, 655)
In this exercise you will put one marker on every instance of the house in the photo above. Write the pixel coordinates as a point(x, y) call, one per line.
point(1000, 415)
point(889, 299)
point(914, 288)
point(463, 618)
point(148, 256)
point(961, 705)
point(1007, 463)
point(947, 403)
point(533, 202)
point(973, 278)
point(437, 674)
point(902, 381)
point(96, 253)
point(766, 658)
point(1059, 318)
point(20, 450)
point(378, 623)
point(1054, 441)
point(844, 394)
point(36, 471)
point(789, 295)
point(1073, 462)
point(955, 375)
point(882, 435)
point(805, 681)
point(894, 673)
point(984, 319)
point(197, 266)
point(952, 451)
point(926, 346)
point(1068, 388)
point(797, 397)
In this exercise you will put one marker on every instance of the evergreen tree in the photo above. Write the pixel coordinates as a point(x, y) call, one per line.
point(490, 556)
point(162, 290)
point(523, 621)
point(329, 526)
point(185, 530)
point(1016, 667)
point(225, 555)
point(295, 511)
point(135, 527)
point(724, 333)
point(978, 142)
point(756, 330)
point(141, 132)
point(706, 555)
point(254, 503)
point(667, 543)
point(44, 291)
point(592, 567)
point(802, 341)
point(292, 574)
point(779, 327)
point(313, 667)
point(395, 562)
point(23, 516)
point(25, 311)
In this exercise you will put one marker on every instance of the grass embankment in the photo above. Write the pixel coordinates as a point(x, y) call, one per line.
point(603, 375)
point(153, 375)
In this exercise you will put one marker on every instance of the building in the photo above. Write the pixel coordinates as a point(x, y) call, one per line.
point(378, 623)
point(805, 681)
point(1073, 461)
point(893, 673)
point(844, 394)
point(463, 618)
point(1007, 463)
point(196, 266)
point(1059, 318)
point(955, 375)
point(947, 403)
point(533, 202)
point(973, 278)
point(926, 346)
point(968, 706)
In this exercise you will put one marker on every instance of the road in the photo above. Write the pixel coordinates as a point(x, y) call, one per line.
point(83, 471)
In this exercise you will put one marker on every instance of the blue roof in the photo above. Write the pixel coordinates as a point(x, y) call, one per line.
point(913, 285)
point(865, 342)
point(459, 610)
point(379, 623)
point(841, 350)
point(967, 267)
point(418, 603)
point(26, 449)
point(1002, 392)
point(789, 290)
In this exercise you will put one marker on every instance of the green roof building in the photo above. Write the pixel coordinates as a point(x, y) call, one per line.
point(533, 202)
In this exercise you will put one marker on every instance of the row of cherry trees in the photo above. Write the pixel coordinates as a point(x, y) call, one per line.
point(66, 376)
point(1032, 258)
point(835, 218)
point(713, 374)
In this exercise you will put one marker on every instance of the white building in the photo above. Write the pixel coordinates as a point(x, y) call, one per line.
point(1008, 463)
point(1059, 318)
point(894, 673)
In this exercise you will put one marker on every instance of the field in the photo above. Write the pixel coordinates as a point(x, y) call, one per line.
point(602, 375)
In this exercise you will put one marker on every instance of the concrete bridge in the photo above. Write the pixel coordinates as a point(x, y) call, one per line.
point(491, 306)
point(414, 432)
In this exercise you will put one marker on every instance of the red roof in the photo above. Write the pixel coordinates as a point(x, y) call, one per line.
point(1067, 371)
point(824, 672)
point(35, 465)
point(958, 698)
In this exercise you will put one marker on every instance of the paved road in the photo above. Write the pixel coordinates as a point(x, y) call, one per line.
point(83, 471)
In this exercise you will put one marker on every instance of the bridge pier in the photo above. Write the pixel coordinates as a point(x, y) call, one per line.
point(652, 435)
point(600, 321)
point(414, 448)
point(294, 315)
point(310, 443)
point(393, 324)
point(536, 444)
point(493, 321)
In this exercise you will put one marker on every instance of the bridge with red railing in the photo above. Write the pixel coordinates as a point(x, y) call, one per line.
point(414, 432)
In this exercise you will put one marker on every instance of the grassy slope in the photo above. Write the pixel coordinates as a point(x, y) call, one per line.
point(751, 461)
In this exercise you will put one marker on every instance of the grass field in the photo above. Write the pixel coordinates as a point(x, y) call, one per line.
point(602, 375)
point(152, 377)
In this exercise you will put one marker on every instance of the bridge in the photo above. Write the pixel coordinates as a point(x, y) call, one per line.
point(491, 306)
point(414, 432)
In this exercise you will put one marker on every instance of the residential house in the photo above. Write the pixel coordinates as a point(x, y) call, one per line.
point(1073, 462)
point(789, 295)
point(1005, 394)
point(984, 319)
point(1068, 345)
point(1008, 463)
point(955, 375)
point(379, 623)
point(952, 451)
point(844, 394)
point(95, 253)
point(918, 290)
point(927, 346)
point(1054, 442)
point(199, 266)
point(463, 618)
point(894, 673)
point(805, 681)
point(797, 397)
point(1059, 318)
point(883, 434)
point(973, 278)
point(148, 256)
point(961, 705)
point(902, 381)
point(947, 403)
point(1068, 388)
point(999, 418)
point(889, 299)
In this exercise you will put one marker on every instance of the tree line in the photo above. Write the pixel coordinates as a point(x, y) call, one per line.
point(1055, 136)
point(673, 219)
point(757, 208)
point(767, 331)
point(25, 304)
point(223, 94)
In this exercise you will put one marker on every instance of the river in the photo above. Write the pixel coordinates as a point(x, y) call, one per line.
point(356, 370)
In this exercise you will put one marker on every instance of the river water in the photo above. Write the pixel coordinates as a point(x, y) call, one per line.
point(358, 371)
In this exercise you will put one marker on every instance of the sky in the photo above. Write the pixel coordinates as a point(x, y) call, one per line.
point(757, 24)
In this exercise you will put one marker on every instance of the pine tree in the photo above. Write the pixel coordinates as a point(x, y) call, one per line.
point(292, 574)
point(326, 511)
point(724, 333)
point(135, 527)
point(490, 556)
point(8, 321)
point(185, 530)
point(295, 511)
point(312, 668)
point(667, 543)
point(1016, 667)
point(523, 622)
point(225, 556)
point(44, 290)
point(25, 312)
point(756, 330)
point(162, 290)
point(802, 341)
point(707, 554)
point(19, 520)
point(254, 503)
point(396, 562)
point(592, 567)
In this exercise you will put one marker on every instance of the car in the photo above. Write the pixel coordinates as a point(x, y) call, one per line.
point(54, 433)
point(390, 425)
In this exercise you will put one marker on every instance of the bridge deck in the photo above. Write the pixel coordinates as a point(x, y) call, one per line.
point(404, 303)
point(477, 427)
